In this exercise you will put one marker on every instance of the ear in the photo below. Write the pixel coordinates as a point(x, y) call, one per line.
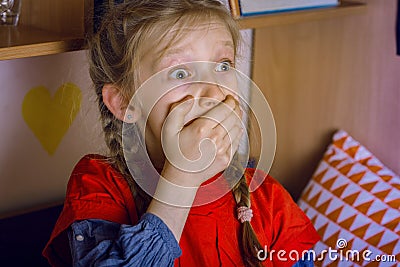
point(115, 102)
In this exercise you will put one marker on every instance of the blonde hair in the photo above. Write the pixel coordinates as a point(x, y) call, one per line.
point(115, 52)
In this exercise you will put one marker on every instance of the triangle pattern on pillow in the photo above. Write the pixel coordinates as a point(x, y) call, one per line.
point(352, 195)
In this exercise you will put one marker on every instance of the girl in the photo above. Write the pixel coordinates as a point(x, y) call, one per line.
point(109, 218)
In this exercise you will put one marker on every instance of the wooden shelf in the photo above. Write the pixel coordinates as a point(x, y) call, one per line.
point(28, 41)
point(23, 41)
point(281, 18)
point(47, 27)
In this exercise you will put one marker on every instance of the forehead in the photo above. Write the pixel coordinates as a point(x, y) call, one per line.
point(177, 39)
point(186, 32)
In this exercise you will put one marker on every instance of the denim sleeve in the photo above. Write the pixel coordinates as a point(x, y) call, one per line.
point(103, 243)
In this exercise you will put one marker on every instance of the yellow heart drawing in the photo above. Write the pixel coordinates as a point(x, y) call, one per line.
point(48, 117)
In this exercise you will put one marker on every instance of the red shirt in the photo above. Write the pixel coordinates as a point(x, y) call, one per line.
point(210, 237)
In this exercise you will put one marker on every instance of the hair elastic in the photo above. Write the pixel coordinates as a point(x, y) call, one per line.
point(244, 214)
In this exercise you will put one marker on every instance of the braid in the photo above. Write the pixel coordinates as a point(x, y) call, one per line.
point(248, 241)
point(112, 133)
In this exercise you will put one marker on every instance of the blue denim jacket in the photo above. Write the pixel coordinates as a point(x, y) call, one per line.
point(149, 243)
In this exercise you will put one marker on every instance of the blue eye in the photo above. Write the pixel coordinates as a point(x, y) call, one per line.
point(223, 66)
point(179, 74)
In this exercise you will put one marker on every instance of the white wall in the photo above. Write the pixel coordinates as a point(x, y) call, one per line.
point(29, 175)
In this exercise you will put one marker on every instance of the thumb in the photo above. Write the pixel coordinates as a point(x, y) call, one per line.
point(176, 116)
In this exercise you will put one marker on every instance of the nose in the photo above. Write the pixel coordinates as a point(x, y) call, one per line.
point(209, 95)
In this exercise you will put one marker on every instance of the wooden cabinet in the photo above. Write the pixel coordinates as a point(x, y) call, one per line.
point(47, 27)
point(56, 26)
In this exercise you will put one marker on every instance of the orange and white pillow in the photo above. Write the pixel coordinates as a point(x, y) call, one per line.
point(353, 201)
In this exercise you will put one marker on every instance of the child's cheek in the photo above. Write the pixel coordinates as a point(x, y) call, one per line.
point(229, 81)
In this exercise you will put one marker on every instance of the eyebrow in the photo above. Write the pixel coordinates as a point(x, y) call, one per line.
point(171, 52)
point(175, 51)
point(164, 54)
point(229, 43)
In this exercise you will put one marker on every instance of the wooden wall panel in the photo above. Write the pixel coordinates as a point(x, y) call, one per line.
point(65, 16)
point(329, 74)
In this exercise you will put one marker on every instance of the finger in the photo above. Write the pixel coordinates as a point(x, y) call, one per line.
point(219, 113)
point(176, 117)
point(229, 139)
point(235, 144)
point(234, 119)
point(235, 134)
